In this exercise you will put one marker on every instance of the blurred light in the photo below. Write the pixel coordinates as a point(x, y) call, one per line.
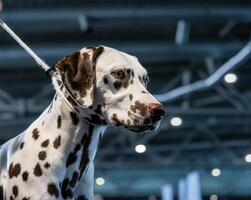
point(213, 197)
point(230, 78)
point(216, 172)
point(140, 148)
point(176, 121)
point(100, 181)
point(248, 158)
point(152, 197)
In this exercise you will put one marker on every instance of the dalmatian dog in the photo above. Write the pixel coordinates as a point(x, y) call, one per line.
point(53, 158)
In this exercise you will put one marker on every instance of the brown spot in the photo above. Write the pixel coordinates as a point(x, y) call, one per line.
point(141, 107)
point(115, 119)
point(79, 76)
point(74, 118)
point(15, 190)
point(130, 97)
point(59, 121)
point(131, 81)
point(47, 165)
point(22, 145)
point(35, 134)
point(128, 122)
point(38, 170)
point(25, 176)
point(135, 122)
point(42, 155)
point(14, 170)
point(57, 142)
point(144, 92)
point(45, 143)
point(52, 190)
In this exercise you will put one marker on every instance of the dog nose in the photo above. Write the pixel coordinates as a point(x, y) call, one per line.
point(156, 111)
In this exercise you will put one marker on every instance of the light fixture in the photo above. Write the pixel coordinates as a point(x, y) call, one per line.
point(213, 197)
point(176, 121)
point(230, 78)
point(216, 172)
point(100, 181)
point(140, 148)
point(248, 158)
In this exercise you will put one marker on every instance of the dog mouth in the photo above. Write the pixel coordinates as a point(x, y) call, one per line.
point(136, 123)
point(140, 128)
point(142, 124)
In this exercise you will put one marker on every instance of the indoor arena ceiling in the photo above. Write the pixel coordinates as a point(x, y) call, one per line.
point(216, 128)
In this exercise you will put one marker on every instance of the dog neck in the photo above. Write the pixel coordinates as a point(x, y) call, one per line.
point(76, 136)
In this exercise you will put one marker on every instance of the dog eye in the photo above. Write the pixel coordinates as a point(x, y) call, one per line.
point(119, 74)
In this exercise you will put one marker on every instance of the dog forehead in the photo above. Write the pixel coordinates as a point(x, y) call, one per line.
point(112, 58)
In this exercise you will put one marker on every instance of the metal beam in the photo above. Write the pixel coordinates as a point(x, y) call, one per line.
point(148, 52)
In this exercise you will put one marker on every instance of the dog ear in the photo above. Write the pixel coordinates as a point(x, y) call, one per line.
point(78, 74)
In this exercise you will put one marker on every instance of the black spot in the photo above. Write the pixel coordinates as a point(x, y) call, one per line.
point(38, 170)
point(74, 118)
point(45, 143)
point(65, 191)
point(59, 122)
point(35, 134)
point(71, 159)
point(52, 190)
point(105, 81)
point(15, 190)
point(72, 156)
point(74, 179)
point(133, 74)
point(14, 170)
point(25, 176)
point(42, 155)
point(82, 198)
point(99, 109)
point(26, 198)
point(57, 142)
point(22, 145)
point(1, 192)
point(130, 97)
point(47, 165)
point(117, 85)
point(86, 140)
point(95, 119)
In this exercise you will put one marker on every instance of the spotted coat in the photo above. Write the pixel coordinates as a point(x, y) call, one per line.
point(53, 158)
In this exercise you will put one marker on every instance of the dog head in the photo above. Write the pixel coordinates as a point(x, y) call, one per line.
point(112, 85)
